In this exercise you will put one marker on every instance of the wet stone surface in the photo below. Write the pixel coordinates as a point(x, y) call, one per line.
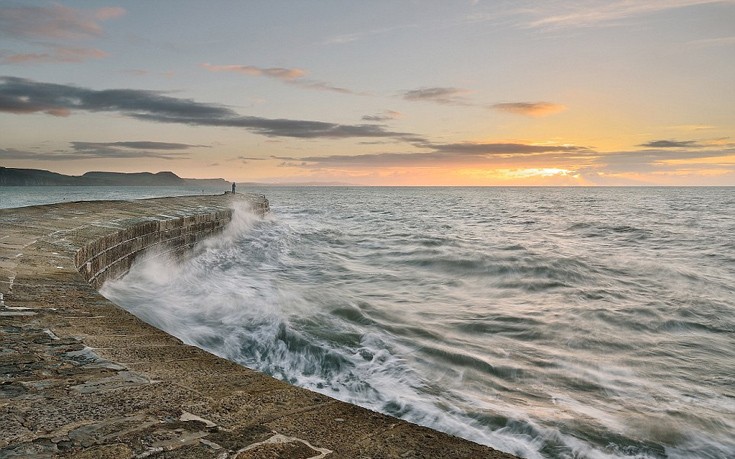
point(82, 378)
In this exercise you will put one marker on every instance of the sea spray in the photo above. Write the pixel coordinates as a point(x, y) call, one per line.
point(564, 334)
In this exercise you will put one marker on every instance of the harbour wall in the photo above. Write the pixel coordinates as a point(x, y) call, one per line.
point(81, 377)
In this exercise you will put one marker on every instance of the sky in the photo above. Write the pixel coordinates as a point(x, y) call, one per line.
point(385, 92)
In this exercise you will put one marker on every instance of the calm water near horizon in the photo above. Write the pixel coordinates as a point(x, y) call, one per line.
point(22, 196)
point(546, 322)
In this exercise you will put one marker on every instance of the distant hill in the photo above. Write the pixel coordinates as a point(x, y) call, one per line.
point(134, 179)
point(37, 177)
point(34, 177)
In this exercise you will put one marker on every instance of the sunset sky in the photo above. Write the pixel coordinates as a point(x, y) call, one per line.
point(552, 92)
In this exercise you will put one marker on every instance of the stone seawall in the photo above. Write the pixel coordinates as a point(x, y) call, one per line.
point(82, 378)
point(112, 255)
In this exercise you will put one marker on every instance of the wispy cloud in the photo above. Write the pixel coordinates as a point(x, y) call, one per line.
point(387, 115)
point(291, 76)
point(23, 96)
point(458, 97)
point(48, 28)
point(447, 154)
point(137, 149)
point(143, 72)
point(246, 159)
point(439, 95)
point(505, 158)
point(533, 109)
point(54, 22)
point(708, 42)
point(553, 15)
point(53, 55)
point(324, 86)
point(692, 127)
point(657, 159)
point(137, 144)
point(271, 72)
point(105, 150)
point(670, 144)
point(251, 158)
point(355, 36)
point(720, 142)
point(504, 148)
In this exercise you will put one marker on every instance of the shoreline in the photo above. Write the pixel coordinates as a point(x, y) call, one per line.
point(81, 377)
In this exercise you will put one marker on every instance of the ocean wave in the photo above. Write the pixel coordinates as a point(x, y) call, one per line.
point(593, 329)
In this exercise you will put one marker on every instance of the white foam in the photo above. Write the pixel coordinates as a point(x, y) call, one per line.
point(271, 294)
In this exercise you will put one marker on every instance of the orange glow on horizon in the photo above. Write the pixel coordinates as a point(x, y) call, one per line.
point(713, 160)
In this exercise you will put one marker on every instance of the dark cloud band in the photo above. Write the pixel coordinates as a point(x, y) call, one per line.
point(140, 145)
point(446, 96)
point(446, 154)
point(670, 144)
point(22, 96)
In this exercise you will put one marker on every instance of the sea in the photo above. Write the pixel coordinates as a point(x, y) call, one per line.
point(544, 322)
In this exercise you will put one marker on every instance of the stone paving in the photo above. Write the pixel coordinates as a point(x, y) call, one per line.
point(82, 378)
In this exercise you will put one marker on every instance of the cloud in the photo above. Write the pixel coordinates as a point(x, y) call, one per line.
point(351, 37)
point(272, 72)
point(120, 150)
point(54, 22)
point(108, 12)
point(246, 159)
point(534, 109)
point(439, 95)
point(720, 142)
point(655, 160)
point(504, 148)
point(323, 86)
point(54, 55)
point(589, 14)
point(23, 96)
point(387, 115)
point(692, 127)
point(456, 96)
point(19, 95)
point(97, 150)
point(250, 158)
point(283, 127)
point(291, 76)
point(139, 144)
point(521, 160)
point(143, 72)
point(448, 154)
point(12, 153)
point(670, 144)
point(719, 41)
point(47, 27)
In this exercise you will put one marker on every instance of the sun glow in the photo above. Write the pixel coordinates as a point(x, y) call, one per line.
point(518, 173)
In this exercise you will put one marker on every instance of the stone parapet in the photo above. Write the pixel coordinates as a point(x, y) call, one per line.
point(112, 255)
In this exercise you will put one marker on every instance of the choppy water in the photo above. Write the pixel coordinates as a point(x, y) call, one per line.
point(546, 322)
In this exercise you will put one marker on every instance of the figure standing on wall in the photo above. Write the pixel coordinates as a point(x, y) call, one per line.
point(233, 187)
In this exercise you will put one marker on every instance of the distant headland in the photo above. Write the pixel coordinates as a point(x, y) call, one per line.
point(38, 177)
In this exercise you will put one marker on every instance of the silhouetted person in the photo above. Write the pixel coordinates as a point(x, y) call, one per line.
point(233, 187)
